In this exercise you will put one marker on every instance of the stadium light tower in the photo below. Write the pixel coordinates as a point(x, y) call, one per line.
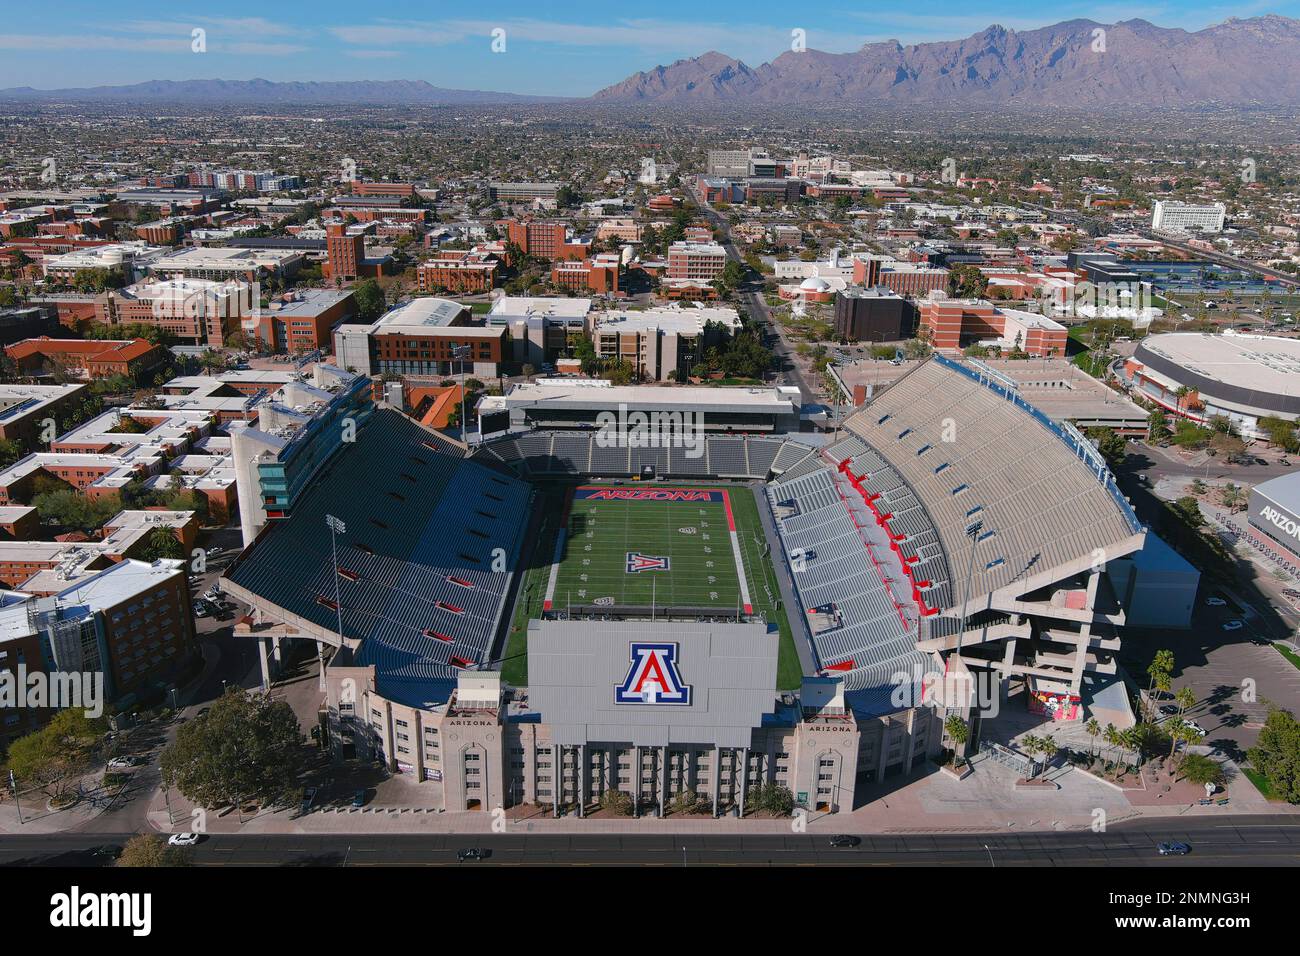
point(460, 353)
point(973, 532)
point(337, 527)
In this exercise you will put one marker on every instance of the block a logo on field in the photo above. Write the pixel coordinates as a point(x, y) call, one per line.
point(638, 562)
point(653, 677)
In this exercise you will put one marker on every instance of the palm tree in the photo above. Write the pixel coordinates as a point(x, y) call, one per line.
point(1111, 736)
point(1178, 730)
point(1186, 700)
point(1093, 730)
point(1161, 664)
point(1048, 747)
point(1031, 744)
point(958, 732)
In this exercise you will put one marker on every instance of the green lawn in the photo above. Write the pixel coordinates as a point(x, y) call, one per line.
point(613, 544)
point(691, 535)
point(762, 582)
point(1260, 782)
point(1289, 655)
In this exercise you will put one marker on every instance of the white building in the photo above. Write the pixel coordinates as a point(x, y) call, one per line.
point(1180, 217)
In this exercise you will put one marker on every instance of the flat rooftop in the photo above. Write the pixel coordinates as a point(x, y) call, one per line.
point(666, 318)
point(420, 315)
point(518, 306)
point(599, 394)
point(1259, 363)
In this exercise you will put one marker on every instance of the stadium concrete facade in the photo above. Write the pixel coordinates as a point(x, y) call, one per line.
point(951, 529)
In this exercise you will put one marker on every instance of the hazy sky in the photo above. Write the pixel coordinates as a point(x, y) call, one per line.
point(550, 48)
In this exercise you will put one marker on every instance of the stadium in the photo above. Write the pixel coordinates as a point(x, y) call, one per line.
point(1200, 376)
point(570, 612)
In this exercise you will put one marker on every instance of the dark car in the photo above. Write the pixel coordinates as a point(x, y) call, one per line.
point(1174, 848)
point(843, 840)
point(108, 851)
point(359, 798)
point(471, 853)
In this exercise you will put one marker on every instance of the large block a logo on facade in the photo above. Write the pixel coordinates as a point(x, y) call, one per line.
point(653, 677)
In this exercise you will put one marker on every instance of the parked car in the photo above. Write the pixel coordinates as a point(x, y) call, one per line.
point(844, 840)
point(1174, 848)
point(1169, 709)
point(183, 839)
point(359, 798)
point(308, 797)
point(470, 853)
point(1233, 625)
point(109, 851)
point(1196, 728)
point(202, 608)
point(1215, 601)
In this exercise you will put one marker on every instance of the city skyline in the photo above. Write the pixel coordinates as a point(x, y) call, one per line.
point(564, 56)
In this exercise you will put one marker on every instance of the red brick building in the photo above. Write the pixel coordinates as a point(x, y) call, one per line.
point(545, 240)
point(456, 270)
point(96, 358)
point(599, 274)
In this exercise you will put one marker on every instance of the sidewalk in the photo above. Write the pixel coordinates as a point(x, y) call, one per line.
point(986, 801)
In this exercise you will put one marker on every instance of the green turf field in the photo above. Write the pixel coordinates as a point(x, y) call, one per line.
point(693, 536)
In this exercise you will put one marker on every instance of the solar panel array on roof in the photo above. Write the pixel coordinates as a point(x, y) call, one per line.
point(415, 564)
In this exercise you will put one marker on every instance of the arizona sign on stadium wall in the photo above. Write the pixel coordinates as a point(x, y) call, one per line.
point(653, 677)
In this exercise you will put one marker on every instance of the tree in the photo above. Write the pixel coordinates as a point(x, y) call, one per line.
point(1157, 425)
point(370, 300)
point(529, 371)
point(1112, 737)
point(1160, 670)
point(151, 850)
point(1110, 443)
point(245, 746)
point(1276, 754)
point(774, 799)
point(1178, 731)
point(1201, 769)
point(958, 732)
point(616, 802)
point(55, 756)
point(1186, 700)
point(1093, 730)
point(163, 543)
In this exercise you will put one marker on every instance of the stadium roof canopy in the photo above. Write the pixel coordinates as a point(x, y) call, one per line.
point(415, 573)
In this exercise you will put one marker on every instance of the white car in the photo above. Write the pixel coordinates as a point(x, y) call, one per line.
point(1196, 728)
point(1215, 602)
point(183, 839)
point(121, 763)
point(1232, 625)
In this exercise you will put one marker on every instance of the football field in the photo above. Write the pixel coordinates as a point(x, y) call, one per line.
point(629, 547)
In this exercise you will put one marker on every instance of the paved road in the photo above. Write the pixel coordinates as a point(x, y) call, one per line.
point(1239, 841)
point(751, 297)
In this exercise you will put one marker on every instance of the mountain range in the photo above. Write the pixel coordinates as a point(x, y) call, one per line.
point(1078, 63)
point(271, 93)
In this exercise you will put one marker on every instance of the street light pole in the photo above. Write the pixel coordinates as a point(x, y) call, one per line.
point(336, 527)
